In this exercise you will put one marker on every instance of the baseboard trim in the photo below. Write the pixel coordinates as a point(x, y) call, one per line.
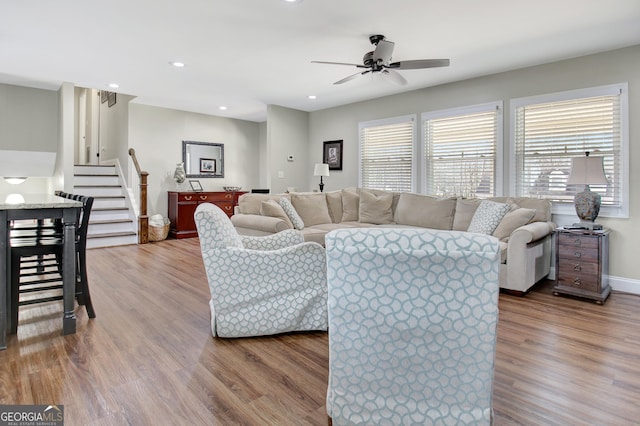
point(623, 285)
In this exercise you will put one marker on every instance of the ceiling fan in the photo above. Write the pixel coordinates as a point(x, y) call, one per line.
point(379, 61)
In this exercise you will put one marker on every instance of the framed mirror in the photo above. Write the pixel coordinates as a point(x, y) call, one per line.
point(203, 159)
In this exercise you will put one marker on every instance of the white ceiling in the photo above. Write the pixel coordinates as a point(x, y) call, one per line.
point(247, 54)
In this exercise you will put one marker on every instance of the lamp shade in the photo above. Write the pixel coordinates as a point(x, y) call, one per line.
point(321, 169)
point(587, 171)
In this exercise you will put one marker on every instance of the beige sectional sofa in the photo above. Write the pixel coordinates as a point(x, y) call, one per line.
point(523, 225)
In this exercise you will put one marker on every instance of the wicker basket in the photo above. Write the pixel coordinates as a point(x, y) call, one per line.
point(159, 233)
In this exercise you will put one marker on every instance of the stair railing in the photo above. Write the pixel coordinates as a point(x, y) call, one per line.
point(143, 219)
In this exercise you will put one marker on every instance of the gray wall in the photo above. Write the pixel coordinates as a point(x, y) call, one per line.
point(28, 122)
point(287, 134)
point(595, 70)
point(157, 134)
point(114, 129)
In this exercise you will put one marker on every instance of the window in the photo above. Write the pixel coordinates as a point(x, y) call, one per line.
point(549, 130)
point(386, 154)
point(462, 147)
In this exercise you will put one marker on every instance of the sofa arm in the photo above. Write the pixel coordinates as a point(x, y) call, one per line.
point(260, 223)
point(531, 232)
point(528, 256)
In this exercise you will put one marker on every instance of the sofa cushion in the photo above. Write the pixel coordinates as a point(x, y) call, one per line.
point(487, 217)
point(465, 209)
point(514, 219)
point(312, 208)
point(252, 203)
point(294, 217)
point(375, 208)
point(273, 209)
point(541, 206)
point(425, 211)
point(334, 203)
point(350, 204)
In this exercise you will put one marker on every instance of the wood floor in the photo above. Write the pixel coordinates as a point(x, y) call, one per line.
point(149, 358)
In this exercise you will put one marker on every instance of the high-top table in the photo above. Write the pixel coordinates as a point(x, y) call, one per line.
point(38, 206)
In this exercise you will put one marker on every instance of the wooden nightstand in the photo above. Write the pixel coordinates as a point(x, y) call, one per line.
point(582, 264)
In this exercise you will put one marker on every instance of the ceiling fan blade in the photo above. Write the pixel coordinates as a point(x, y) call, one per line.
point(351, 77)
point(395, 77)
point(339, 63)
point(419, 63)
point(383, 51)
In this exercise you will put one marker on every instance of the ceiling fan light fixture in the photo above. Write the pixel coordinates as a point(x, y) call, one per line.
point(379, 61)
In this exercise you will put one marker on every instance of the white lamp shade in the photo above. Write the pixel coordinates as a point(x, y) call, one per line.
point(587, 171)
point(321, 169)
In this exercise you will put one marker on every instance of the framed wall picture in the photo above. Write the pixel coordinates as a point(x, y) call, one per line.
point(332, 154)
point(195, 185)
point(111, 98)
point(207, 165)
point(103, 96)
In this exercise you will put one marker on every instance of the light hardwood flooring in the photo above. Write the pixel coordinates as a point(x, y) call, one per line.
point(149, 357)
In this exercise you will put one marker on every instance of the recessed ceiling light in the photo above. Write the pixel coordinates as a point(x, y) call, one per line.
point(177, 64)
point(114, 85)
point(222, 107)
point(293, 1)
point(312, 97)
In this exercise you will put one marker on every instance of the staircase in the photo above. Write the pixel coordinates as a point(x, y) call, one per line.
point(112, 221)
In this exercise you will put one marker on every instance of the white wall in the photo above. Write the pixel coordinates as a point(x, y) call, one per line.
point(157, 134)
point(616, 66)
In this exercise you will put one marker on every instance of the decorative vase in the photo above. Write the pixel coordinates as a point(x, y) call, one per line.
point(179, 175)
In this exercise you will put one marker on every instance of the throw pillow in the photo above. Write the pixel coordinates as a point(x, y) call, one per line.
point(312, 208)
point(374, 208)
point(512, 220)
point(487, 217)
point(292, 213)
point(350, 204)
point(273, 209)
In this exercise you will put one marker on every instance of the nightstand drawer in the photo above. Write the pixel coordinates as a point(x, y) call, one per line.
point(578, 241)
point(581, 281)
point(568, 267)
point(578, 253)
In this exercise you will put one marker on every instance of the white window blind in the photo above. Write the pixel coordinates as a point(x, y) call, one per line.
point(549, 134)
point(386, 154)
point(461, 150)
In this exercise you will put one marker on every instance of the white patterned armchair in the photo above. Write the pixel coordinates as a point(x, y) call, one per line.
point(412, 326)
point(261, 285)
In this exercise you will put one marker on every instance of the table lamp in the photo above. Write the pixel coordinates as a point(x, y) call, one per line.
point(321, 169)
point(587, 171)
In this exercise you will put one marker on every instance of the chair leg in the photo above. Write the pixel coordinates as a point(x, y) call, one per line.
point(15, 294)
point(84, 284)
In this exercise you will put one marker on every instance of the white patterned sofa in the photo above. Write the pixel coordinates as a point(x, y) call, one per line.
point(412, 326)
point(261, 285)
point(524, 231)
